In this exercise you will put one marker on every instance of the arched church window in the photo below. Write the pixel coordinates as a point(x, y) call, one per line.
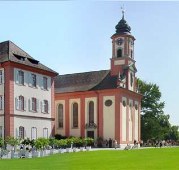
point(91, 112)
point(119, 53)
point(75, 115)
point(60, 116)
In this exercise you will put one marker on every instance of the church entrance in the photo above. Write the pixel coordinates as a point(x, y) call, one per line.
point(90, 134)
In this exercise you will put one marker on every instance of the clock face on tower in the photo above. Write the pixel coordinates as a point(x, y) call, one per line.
point(119, 41)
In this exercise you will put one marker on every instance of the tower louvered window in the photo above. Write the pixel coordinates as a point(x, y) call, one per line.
point(119, 53)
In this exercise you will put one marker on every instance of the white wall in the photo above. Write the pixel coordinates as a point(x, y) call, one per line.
point(29, 92)
point(75, 131)
point(136, 137)
point(60, 130)
point(109, 118)
point(124, 112)
point(28, 123)
point(130, 119)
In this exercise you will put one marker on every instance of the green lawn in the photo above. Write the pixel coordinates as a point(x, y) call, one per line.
point(143, 159)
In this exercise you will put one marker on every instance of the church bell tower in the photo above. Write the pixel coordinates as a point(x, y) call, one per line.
point(122, 61)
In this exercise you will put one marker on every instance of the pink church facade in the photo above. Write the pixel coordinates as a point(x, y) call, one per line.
point(102, 103)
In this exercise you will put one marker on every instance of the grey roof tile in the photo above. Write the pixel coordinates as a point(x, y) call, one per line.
point(11, 52)
point(95, 80)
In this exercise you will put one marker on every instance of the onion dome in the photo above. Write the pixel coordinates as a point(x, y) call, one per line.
point(122, 27)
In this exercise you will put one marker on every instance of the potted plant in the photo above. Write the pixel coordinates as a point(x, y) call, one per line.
point(82, 144)
point(53, 144)
point(62, 144)
point(75, 143)
point(41, 144)
point(13, 142)
point(69, 144)
point(89, 143)
point(1, 145)
point(27, 143)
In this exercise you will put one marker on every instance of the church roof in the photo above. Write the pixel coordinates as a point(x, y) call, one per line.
point(87, 81)
point(11, 52)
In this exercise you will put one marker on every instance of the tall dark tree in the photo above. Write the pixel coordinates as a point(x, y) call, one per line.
point(151, 98)
point(154, 123)
point(173, 133)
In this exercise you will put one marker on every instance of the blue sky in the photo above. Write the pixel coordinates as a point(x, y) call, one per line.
point(74, 36)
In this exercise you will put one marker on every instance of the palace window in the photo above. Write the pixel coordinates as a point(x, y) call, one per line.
point(45, 106)
point(1, 76)
point(33, 104)
point(119, 53)
point(75, 115)
point(91, 112)
point(21, 132)
point(33, 80)
point(1, 102)
point(1, 132)
point(45, 133)
point(33, 133)
point(20, 103)
point(60, 116)
point(20, 77)
point(45, 80)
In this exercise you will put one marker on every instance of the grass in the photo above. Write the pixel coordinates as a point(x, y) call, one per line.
point(144, 159)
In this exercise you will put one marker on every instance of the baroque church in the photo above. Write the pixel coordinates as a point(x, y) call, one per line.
point(37, 102)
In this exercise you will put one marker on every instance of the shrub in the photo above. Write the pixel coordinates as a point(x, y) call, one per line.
point(12, 141)
point(69, 142)
point(81, 142)
point(53, 142)
point(89, 141)
point(1, 142)
point(62, 143)
point(26, 141)
point(41, 143)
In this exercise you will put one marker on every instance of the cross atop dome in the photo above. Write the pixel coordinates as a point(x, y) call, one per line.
point(123, 12)
point(122, 27)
